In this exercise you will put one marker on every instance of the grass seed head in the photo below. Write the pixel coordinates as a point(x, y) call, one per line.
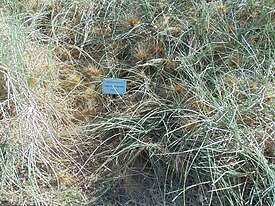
point(230, 80)
point(74, 79)
point(164, 22)
point(93, 72)
point(90, 93)
point(236, 61)
point(269, 93)
point(174, 30)
point(132, 21)
point(222, 8)
point(180, 89)
point(97, 31)
point(169, 65)
point(142, 53)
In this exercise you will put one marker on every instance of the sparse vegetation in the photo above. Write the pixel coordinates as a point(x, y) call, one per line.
point(196, 126)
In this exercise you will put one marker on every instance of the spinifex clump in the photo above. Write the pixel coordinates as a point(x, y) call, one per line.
point(195, 127)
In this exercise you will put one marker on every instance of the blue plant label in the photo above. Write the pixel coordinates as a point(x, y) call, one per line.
point(113, 86)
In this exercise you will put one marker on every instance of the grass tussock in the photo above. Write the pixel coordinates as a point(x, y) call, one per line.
point(196, 126)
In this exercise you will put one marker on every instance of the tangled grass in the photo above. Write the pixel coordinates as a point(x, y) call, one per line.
point(196, 126)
